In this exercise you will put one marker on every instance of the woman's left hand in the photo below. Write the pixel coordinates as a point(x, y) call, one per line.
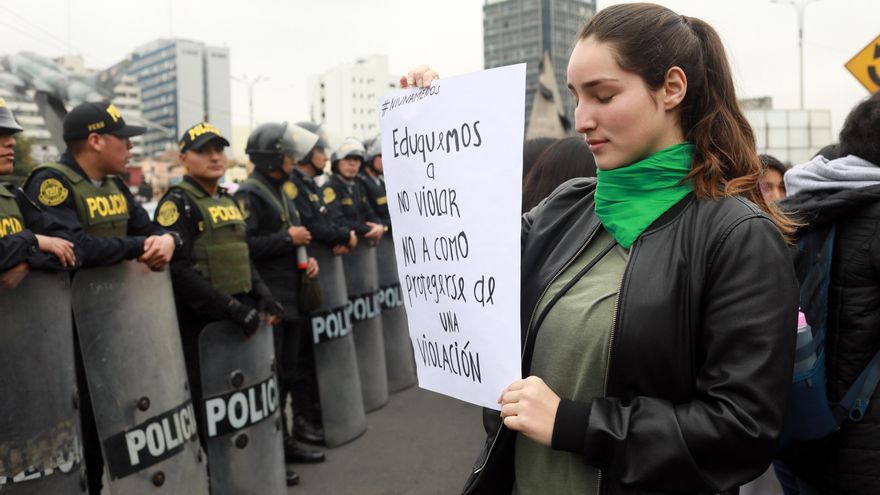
point(529, 407)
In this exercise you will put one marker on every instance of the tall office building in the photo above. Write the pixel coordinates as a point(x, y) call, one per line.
point(517, 31)
point(183, 82)
point(343, 99)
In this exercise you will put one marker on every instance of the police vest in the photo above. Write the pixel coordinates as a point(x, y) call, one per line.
point(102, 210)
point(11, 220)
point(220, 251)
point(288, 219)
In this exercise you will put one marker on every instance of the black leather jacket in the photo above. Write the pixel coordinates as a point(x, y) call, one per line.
point(701, 352)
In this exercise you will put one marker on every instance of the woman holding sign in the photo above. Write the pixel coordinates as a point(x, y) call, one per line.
point(656, 363)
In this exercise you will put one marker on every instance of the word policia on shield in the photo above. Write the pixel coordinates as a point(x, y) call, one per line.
point(453, 172)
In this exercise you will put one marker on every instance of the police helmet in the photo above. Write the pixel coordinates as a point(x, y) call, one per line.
point(374, 149)
point(269, 143)
point(349, 147)
point(316, 129)
point(8, 124)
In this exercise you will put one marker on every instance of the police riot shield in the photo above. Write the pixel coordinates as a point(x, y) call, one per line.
point(336, 367)
point(399, 359)
point(362, 280)
point(132, 355)
point(40, 446)
point(240, 410)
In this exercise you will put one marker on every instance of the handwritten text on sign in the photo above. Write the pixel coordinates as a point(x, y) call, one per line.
point(453, 165)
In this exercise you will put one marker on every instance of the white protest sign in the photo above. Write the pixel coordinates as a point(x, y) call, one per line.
point(453, 168)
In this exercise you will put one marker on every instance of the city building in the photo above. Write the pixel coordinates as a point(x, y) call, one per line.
point(69, 81)
point(792, 136)
point(182, 82)
point(517, 31)
point(344, 98)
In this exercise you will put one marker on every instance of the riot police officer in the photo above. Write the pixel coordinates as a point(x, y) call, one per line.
point(213, 276)
point(83, 191)
point(84, 194)
point(372, 177)
point(277, 242)
point(20, 219)
point(341, 239)
point(41, 439)
point(345, 195)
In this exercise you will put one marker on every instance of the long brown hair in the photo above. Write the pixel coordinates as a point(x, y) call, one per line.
point(648, 40)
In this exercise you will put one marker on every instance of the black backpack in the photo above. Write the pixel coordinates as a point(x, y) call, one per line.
point(811, 417)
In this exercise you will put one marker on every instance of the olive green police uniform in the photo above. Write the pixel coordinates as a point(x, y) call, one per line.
point(102, 210)
point(11, 219)
point(220, 251)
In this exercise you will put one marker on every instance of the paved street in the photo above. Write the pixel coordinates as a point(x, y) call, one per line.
point(420, 443)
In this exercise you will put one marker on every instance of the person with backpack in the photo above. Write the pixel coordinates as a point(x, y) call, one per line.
point(840, 196)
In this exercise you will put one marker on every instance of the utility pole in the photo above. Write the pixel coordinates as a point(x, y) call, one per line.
point(800, 6)
point(250, 83)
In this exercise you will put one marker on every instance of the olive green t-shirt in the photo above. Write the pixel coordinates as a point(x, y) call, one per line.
point(571, 356)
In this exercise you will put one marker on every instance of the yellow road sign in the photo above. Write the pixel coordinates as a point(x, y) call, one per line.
point(866, 66)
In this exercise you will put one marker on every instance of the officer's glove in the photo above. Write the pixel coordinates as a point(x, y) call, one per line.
point(246, 316)
point(272, 307)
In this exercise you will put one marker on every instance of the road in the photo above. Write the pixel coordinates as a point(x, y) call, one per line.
point(421, 443)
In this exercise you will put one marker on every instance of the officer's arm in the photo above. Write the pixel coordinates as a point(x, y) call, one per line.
point(96, 251)
point(190, 287)
point(321, 228)
point(39, 223)
point(16, 248)
point(261, 245)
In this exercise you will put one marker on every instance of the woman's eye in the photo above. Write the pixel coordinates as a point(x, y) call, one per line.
point(604, 100)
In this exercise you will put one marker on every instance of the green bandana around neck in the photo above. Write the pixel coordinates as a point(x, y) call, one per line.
point(629, 199)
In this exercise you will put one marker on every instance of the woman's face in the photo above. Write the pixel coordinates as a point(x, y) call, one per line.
point(622, 120)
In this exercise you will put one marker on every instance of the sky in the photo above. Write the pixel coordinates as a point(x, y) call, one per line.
point(286, 41)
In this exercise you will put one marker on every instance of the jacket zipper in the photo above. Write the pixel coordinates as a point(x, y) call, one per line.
point(531, 319)
point(611, 338)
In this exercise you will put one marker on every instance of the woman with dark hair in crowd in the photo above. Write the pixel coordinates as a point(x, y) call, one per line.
point(655, 361)
point(841, 187)
point(771, 182)
point(563, 160)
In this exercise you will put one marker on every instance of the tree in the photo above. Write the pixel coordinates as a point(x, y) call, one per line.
point(24, 162)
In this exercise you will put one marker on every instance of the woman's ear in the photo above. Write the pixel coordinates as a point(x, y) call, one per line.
point(674, 88)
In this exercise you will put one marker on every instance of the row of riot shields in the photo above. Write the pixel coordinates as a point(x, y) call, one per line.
point(360, 337)
point(147, 423)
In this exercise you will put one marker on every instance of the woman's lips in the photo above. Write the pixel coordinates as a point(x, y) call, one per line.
point(596, 144)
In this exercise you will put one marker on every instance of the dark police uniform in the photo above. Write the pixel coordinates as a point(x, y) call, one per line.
point(108, 226)
point(315, 214)
point(347, 204)
point(376, 196)
point(269, 212)
point(211, 268)
point(20, 220)
point(106, 222)
point(316, 217)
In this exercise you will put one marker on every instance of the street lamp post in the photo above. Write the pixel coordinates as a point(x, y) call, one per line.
point(800, 6)
point(250, 83)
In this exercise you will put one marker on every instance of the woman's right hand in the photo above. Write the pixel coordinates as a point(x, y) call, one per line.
point(61, 248)
point(420, 77)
